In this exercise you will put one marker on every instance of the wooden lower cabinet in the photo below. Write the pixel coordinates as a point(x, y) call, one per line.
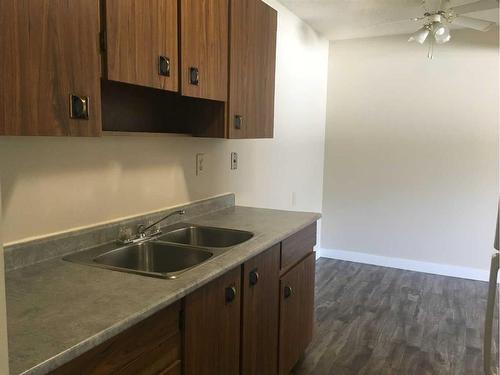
point(296, 312)
point(259, 336)
point(297, 246)
point(212, 327)
point(256, 319)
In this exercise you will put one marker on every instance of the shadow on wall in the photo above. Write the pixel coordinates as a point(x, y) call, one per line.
point(307, 35)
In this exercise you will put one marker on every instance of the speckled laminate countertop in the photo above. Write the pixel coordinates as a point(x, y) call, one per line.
point(57, 310)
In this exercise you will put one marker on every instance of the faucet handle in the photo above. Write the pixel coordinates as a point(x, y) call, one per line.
point(125, 234)
point(148, 230)
point(140, 228)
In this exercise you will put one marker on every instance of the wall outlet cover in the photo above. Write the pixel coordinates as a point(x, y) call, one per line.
point(200, 164)
point(234, 160)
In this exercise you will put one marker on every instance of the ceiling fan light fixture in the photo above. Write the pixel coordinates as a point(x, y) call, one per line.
point(420, 36)
point(441, 33)
point(439, 29)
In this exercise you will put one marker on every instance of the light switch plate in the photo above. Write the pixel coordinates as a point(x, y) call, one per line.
point(234, 160)
point(200, 164)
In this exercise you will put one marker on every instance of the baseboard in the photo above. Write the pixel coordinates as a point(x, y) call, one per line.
point(405, 264)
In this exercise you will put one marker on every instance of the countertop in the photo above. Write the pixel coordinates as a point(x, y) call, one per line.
point(57, 310)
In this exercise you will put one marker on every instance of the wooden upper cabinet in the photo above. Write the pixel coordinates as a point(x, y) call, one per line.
point(50, 51)
point(142, 43)
point(212, 327)
point(253, 26)
point(204, 48)
point(259, 341)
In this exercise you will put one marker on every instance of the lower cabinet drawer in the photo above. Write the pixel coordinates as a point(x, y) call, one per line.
point(296, 312)
point(297, 246)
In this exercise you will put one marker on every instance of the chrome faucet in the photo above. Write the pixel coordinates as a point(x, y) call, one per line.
point(142, 229)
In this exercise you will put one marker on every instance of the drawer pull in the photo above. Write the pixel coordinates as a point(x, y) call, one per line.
point(238, 121)
point(164, 66)
point(287, 291)
point(230, 294)
point(79, 107)
point(253, 277)
point(194, 76)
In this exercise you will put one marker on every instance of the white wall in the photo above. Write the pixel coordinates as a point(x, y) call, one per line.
point(57, 184)
point(4, 363)
point(411, 151)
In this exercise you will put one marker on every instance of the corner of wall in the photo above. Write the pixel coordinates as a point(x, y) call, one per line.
point(4, 359)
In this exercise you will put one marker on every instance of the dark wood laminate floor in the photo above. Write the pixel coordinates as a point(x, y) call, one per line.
point(377, 320)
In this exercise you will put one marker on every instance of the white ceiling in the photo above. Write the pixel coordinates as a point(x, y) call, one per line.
point(349, 19)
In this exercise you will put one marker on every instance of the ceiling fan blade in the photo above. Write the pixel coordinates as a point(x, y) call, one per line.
point(444, 4)
point(476, 6)
point(472, 23)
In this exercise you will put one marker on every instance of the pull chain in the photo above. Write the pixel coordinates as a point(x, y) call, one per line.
point(430, 54)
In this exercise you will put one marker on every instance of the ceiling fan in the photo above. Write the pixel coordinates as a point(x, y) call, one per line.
point(435, 22)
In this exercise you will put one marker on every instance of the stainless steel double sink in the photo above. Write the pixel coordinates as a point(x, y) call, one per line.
point(167, 255)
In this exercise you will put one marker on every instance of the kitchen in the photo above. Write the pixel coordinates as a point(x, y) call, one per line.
point(240, 117)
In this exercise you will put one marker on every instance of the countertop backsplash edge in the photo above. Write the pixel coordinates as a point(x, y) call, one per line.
point(23, 254)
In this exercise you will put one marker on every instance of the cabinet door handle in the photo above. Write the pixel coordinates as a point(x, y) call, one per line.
point(194, 76)
point(253, 277)
point(164, 66)
point(238, 121)
point(230, 294)
point(287, 291)
point(79, 107)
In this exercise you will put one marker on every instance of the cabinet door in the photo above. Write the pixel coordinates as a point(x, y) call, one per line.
point(50, 51)
point(296, 312)
point(141, 46)
point(260, 313)
point(252, 69)
point(204, 46)
point(212, 327)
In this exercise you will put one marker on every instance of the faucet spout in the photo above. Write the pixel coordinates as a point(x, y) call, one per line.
point(143, 229)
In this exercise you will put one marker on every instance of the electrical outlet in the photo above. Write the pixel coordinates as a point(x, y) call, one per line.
point(234, 160)
point(200, 163)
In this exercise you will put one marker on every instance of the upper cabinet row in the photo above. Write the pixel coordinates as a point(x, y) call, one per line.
point(142, 44)
point(75, 68)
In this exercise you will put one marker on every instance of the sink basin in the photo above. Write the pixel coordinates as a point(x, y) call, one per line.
point(206, 236)
point(181, 248)
point(149, 258)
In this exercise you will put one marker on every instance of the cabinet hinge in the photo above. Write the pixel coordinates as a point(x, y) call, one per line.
point(102, 41)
